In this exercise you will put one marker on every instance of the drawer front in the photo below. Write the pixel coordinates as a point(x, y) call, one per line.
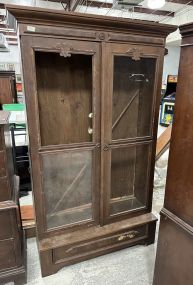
point(7, 254)
point(85, 247)
point(2, 164)
point(4, 189)
point(6, 224)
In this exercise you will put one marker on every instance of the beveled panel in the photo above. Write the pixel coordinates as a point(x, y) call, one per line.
point(129, 178)
point(64, 90)
point(4, 189)
point(2, 164)
point(133, 86)
point(7, 254)
point(174, 254)
point(5, 224)
point(1, 138)
point(67, 185)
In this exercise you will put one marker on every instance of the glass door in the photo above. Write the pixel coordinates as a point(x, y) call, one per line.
point(129, 100)
point(64, 112)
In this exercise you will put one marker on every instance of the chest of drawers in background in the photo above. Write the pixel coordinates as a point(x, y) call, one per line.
point(12, 241)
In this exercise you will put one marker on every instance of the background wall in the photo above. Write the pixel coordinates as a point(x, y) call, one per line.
point(13, 56)
point(171, 62)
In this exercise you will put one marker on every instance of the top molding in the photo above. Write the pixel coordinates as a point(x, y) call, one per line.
point(186, 30)
point(32, 15)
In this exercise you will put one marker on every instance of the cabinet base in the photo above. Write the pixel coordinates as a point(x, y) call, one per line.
point(18, 275)
point(70, 248)
point(174, 251)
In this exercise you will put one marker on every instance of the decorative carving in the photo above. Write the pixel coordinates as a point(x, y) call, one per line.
point(135, 53)
point(101, 36)
point(64, 49)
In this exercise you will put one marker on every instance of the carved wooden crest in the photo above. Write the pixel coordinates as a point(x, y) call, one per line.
point(64, 49)
point(101, 36)
point(135, 53)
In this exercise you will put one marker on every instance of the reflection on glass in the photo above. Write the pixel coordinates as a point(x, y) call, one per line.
point(133, 85)
point(67, 187)
point(64, 90)
point(129, 176)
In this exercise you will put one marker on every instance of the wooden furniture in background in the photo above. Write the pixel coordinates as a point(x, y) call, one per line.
point(8, 93)
point(12, 241)
point(92, 94)
point(28, 220)
point(174, 261)
point(163, 142)
point(27, 213)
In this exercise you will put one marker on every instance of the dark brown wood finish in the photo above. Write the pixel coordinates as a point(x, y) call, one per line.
point(129, 131)
point(12, 241)
point(42, 156)
point(68, 93)
point(174, 254)
point(8, 92)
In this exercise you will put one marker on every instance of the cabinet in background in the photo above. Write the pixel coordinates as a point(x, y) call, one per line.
point(8, 93)
point(12, 240)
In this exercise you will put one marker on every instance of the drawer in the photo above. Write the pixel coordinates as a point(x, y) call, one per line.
point(4, 189)
point(7, 254)
point(88, 246)
point(6, 224)
point(2, 164)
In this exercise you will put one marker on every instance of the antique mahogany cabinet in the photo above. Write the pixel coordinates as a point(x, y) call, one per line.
point(92, 87)
point(12, 242)
point(174, 261)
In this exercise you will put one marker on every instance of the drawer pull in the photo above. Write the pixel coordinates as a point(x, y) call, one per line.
point(129, 235)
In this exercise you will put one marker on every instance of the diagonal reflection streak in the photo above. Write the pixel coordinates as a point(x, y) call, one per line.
point(73, 184)
point(125, 109)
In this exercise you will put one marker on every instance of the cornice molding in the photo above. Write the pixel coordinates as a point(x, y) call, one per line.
point(34, 16)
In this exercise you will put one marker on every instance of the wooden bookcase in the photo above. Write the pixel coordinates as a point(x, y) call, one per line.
point(12, 240)
point(92, 87)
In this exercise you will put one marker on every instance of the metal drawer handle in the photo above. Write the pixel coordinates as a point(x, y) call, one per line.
point(129, 235)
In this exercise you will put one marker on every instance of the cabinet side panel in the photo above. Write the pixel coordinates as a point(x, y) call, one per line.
point(179, 186)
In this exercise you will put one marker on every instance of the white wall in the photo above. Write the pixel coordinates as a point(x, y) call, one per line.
point(12, 56)
point(171, 62)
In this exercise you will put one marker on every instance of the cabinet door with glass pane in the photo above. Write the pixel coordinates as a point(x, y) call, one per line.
point(128, 131)
point(64, 113)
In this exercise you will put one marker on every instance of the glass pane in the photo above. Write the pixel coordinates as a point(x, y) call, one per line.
point(133, 86)
point(129, 178)
point(67, 187)
point(64, 90)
